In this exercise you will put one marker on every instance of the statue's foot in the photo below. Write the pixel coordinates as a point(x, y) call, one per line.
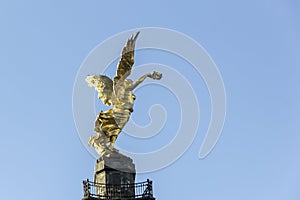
point(116, 150)
point(91, 141)
point(112, 148)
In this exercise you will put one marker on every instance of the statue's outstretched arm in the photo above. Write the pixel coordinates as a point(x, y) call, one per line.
point(139, 81)
point(153, 75)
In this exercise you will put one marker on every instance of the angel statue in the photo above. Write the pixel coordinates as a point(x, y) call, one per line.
point(119, 94)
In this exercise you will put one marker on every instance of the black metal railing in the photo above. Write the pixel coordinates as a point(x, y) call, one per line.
point(117, 191)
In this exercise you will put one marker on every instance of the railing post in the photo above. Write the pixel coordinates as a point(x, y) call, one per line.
point(86, 188)
point(149, 185)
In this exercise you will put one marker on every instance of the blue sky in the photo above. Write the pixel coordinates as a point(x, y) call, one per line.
point(255, 45)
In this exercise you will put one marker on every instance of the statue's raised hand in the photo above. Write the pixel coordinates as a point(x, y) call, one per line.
point(155, 75)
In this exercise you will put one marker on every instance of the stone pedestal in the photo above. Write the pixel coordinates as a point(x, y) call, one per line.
point(117, 173)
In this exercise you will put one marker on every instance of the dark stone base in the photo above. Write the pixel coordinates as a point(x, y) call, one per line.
point(115, 171)
point(114, 179)
point(114, 168)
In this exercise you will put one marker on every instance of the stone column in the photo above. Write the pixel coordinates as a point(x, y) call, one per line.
point(116, 173)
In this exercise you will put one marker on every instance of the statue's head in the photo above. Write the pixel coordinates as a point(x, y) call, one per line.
point(103, 85)
point(96, 80)
point(92, 80)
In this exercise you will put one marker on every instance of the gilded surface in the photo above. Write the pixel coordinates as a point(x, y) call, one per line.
point(119, 94)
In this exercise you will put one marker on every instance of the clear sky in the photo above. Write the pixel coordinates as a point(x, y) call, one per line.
point(255, 44)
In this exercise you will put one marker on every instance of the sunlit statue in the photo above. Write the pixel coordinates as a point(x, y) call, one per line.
point(119, 94)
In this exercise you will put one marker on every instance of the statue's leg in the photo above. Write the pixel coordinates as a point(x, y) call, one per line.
point(97, 130)
point(113, 137)
point(98, 123)
point(112, 140)
point(92, 140)
point(105, 123)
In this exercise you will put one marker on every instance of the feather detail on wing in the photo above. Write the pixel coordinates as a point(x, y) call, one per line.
point(104, 86)
point(127, 59)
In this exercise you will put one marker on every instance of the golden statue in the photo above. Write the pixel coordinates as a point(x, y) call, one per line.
point(119, 94)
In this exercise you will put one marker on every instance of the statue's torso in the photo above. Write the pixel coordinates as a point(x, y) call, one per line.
point(124, 96)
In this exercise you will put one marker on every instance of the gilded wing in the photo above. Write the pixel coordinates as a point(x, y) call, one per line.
point(104, 86)
point(127, 59)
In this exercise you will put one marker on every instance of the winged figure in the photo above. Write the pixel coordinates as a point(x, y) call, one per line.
point(119, 94)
